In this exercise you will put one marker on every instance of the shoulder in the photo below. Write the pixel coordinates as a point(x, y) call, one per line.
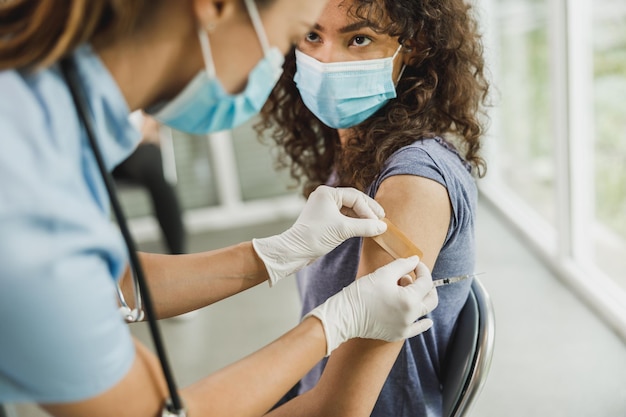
point(20, 109)
point(35, 152)
point(429, 174)
point(416, 202)
point(427, 157)
point(433, 159)
point(30, 106)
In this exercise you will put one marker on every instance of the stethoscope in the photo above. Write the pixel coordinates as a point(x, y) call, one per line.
point(173, 406)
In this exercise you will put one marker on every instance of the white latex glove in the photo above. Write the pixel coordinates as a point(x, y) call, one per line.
point(320, 228)
point(377, 307)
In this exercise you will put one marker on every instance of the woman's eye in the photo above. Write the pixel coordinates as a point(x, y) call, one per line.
point(312, 37)
point(361, 41)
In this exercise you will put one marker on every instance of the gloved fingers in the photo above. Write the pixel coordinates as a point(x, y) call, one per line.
point(362, 227)
point(394, 270)
point(361, 204)
point(422, 270)
point(419, 327)
point(430, 302)
point(416, 292)
point(424, 279)
point(405, 280)
point(421, 291)
point(432, 299)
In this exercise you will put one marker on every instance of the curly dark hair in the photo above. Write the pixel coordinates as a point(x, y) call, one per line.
point(443, 92)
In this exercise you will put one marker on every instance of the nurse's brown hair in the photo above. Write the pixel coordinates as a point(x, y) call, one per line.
point(36, 33)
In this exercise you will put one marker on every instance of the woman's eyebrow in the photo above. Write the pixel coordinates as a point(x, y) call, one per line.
point(351, 27)
point(358, 25)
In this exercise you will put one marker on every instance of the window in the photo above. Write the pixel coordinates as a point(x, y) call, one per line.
point(557, 143)
point(523, 95)
point(609, 104)
point(223, 180)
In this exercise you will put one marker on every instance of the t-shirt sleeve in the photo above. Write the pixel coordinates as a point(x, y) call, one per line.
point(412, 160)
point(61, 336)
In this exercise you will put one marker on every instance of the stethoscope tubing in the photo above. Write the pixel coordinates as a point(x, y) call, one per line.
point(68, 68)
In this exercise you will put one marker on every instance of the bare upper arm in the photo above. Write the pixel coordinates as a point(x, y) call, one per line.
point(420, 208)
point(140, 393)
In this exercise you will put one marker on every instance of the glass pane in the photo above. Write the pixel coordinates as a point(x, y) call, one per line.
point(255, 164)
point(525, 143)
point(609, 41)
point(194, 178)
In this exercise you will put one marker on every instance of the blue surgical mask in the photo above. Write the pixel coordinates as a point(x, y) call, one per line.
point(344, 94)
point(205, 107)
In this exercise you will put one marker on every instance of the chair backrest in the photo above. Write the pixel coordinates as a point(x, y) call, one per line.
point(469, 353)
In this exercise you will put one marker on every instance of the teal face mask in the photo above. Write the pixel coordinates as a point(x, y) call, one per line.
point(205, 107)
point(344, 94)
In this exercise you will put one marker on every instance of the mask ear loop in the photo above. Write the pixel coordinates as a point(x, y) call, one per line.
point(395, 54)
point(207, 56)
point(403, 65)
point(205, 44)
point(253, 11)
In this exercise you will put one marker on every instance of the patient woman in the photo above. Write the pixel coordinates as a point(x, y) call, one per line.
point(387, 96)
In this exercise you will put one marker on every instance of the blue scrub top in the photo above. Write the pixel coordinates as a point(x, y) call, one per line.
point(61, 335)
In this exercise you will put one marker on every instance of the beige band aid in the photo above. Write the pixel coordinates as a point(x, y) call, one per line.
point(394, 242)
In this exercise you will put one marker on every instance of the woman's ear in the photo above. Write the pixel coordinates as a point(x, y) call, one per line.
point(210, 13)
point(411, 50)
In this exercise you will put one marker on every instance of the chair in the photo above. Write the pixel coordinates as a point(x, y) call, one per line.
point(469, 353)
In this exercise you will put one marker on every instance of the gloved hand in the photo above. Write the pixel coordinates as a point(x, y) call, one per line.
point(320, 228)
point(377, 307)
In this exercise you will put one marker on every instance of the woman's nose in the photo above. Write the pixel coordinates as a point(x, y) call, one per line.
point(330, 53)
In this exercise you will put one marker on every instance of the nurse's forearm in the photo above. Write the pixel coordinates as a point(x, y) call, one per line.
point(247, 388)
point(251, 386)
point(181, 283)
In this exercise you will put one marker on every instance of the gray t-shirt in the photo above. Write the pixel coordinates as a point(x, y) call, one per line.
point(413, 387)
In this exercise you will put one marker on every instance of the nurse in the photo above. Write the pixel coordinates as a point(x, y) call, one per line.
point(199, 66)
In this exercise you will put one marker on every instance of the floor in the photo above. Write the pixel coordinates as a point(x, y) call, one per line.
point(553, 357)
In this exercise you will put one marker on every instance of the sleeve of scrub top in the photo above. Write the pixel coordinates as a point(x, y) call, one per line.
point(61, 336)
